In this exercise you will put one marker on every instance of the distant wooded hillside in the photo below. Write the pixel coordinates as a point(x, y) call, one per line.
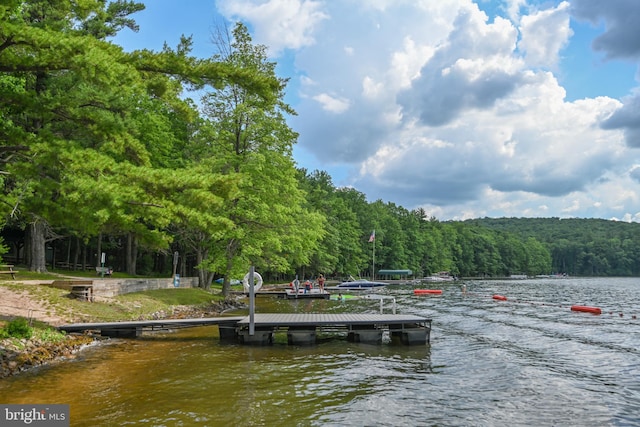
point(590, 247)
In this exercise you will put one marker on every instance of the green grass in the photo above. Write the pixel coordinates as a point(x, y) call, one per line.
point(28, 275)
point(24, 274)
point(138, 305)
point(181, 296)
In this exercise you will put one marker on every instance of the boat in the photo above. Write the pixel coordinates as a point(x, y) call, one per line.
point(231, 282)
point(443, 276)
point(360, 283)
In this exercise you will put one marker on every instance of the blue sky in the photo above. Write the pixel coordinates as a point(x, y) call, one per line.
point(516, 108)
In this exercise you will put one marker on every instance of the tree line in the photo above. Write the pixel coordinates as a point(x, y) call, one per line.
point(105, 150)
point(579, 246)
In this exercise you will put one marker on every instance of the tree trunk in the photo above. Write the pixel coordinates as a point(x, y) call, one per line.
point(99, 251)
point(36, 239)
point(76, 254)
point(199, 257)
point(132, 253)
point(53, 255)
point(230, 252)
point(183, 265)
point(85, 249)
point(68, 260)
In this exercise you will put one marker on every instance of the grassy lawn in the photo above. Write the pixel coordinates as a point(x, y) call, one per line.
point(57, 303)
point(24, 274)
point(138, 305)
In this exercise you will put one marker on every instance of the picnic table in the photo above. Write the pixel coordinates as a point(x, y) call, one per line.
point(8, 269)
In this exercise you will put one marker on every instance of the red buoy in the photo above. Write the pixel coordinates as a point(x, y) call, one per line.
point(500, 297)
point(426, 291)
point(586, 309)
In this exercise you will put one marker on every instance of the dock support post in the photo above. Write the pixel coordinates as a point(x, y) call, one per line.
point(258, 337)
point(365, 334)
point(301, 336)
point(228, 332)
point(122, 333)
point(412, 334)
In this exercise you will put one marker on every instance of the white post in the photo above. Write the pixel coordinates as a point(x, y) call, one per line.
point(252, 326)
point(103, 258)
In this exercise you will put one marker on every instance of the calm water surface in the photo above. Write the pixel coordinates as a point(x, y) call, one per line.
point(522, 362)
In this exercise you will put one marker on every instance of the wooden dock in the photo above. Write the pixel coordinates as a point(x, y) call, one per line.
point(134, 328)
point(290, 294)
point(301, 328)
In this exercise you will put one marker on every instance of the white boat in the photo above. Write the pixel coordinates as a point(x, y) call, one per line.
point(443, 276)
point(360, 283)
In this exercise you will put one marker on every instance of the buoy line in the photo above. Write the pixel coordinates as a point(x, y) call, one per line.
point(427, 291)
point(578, 307)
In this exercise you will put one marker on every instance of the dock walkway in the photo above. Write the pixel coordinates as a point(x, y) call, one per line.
point(134, 328)
point(290, 294)
point(301, 328)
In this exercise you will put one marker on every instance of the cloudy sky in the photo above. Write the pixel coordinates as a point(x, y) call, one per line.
point(467, 108)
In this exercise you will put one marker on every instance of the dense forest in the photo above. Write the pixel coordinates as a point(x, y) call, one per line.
point(583, 247)
point(104, 151)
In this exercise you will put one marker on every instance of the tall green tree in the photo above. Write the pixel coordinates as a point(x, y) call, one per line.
point(249, 138)
point(358, 260)
point(340, 250)
point(75, 106)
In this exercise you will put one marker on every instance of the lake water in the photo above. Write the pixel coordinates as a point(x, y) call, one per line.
point(527, 361)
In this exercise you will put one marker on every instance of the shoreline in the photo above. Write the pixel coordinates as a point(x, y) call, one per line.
point(22, 355)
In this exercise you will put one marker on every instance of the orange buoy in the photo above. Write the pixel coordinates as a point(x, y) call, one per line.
point(426, 291)
point(500, 297)
point(586, 309)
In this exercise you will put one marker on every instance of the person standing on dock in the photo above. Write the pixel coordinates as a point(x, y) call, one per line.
point(321, 283)
point(296, 284)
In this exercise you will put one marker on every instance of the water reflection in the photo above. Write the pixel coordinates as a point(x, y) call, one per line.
point(525, 361)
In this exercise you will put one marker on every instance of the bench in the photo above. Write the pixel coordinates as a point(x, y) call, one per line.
point(106, 271)
point(10, 270)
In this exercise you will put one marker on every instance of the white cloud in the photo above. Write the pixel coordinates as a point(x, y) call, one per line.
point(406, 63)
point(279, 24)
point(472, 69)
point(371, 88)
point(332, 104)
point(544, 34)
point(436, 105)
point(513, 8)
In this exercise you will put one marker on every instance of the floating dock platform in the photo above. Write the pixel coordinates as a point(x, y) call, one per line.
point(291, 294)
point(301, 328)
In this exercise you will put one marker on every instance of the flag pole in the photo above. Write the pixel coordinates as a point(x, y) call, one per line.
point(373, 263)
point(372, 239)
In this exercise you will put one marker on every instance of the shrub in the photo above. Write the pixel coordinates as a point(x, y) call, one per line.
point(19, 328)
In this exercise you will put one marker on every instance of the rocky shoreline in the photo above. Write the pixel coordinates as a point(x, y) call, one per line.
point(20, 355)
